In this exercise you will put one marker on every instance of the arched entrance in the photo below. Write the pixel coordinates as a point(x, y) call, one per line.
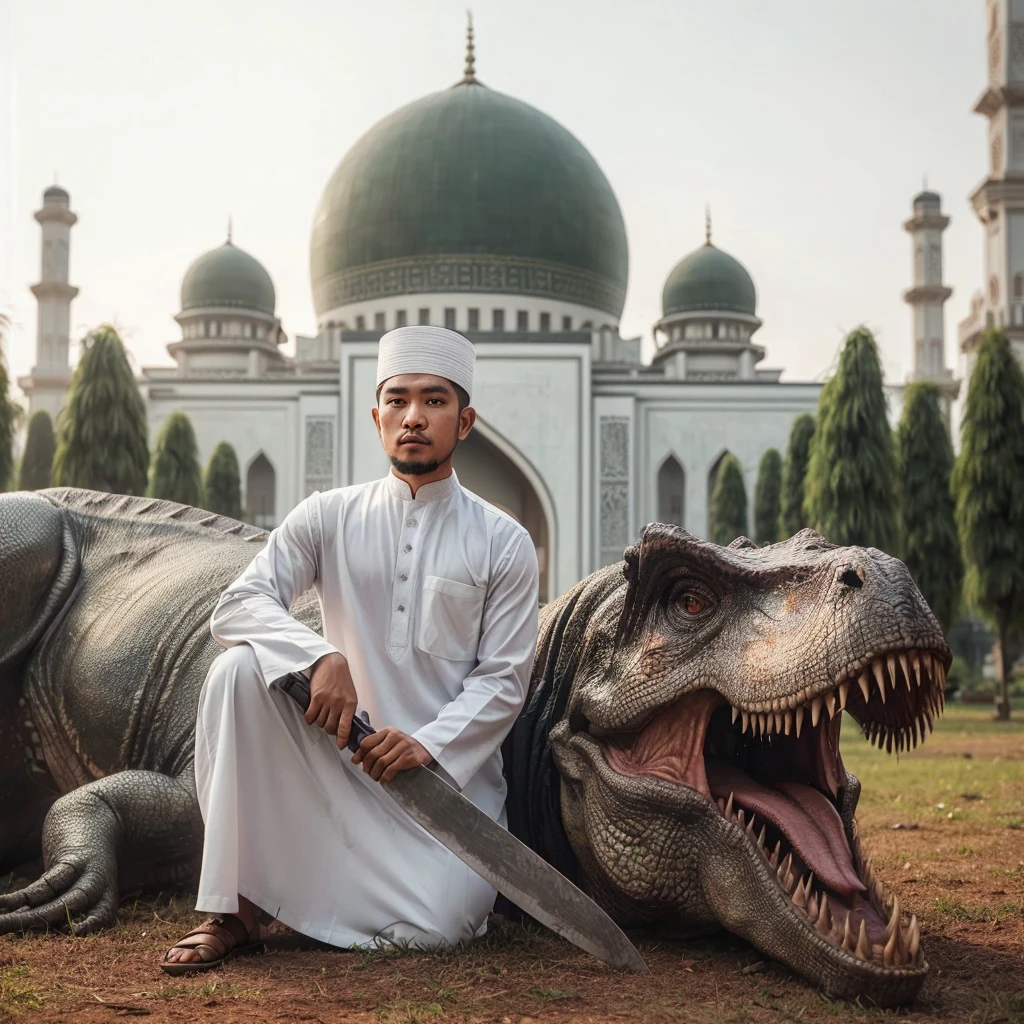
point(671, 492)
point(260, 488)
point(486, 470)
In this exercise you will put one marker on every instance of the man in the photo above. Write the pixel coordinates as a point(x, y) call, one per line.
point(429, 602)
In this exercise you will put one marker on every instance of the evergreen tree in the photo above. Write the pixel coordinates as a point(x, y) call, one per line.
point(850, 490)
point(988, 483)
point(767, 497)
point(37, 459)
point(729, 502)
point(222, 484)
point(101, 433)
point(794, 471)
point(927, 523)
point(8, 419)
point(175, 474)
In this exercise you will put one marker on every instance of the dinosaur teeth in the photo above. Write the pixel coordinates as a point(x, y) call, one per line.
point(830, 704)
point(745, 719)
point(894, 921)
point(815, 711)
point(844, 689)
point(906, 669)
point(824, 920)
point(863, 950)
point(735, 714)
point(913, 940)
point(865, 685)
point(798, 719)
point(879, 674)
point(799, 896)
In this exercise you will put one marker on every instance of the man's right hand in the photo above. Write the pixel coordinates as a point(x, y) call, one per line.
point(332, 697)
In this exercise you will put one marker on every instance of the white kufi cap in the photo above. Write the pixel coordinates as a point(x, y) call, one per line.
point(423, 349)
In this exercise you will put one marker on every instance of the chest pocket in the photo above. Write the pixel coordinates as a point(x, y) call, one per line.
point(450, 613)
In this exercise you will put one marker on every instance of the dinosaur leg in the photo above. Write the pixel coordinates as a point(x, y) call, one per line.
point(142, 816)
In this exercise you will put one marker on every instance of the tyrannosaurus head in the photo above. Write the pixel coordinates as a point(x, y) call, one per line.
point(701, 780)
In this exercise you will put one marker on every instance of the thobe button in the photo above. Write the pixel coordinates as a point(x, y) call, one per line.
point(403, 577)
point(401, 607)
point(410, 522)
point(408, 547)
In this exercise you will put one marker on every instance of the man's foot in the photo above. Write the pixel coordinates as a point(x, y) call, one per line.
point(214, 942)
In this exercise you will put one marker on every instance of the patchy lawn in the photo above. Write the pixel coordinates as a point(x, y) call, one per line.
point(944, 824)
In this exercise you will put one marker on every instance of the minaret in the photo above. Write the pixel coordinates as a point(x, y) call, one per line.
point(998, 200)
point(47, 385)
point(928, 295)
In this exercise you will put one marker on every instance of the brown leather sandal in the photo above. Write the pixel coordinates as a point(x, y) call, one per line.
point(224, 936)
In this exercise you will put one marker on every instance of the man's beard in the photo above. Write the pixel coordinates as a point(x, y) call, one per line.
point(420, 468)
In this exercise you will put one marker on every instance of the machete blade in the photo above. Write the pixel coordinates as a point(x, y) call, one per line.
point(511, 867)
point(495, 854)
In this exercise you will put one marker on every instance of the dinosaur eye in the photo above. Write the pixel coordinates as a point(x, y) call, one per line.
point(692, 604)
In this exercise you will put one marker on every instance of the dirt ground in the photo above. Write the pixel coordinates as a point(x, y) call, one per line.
point(956, 859)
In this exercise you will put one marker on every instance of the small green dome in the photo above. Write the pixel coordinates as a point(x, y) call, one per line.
point(57, 193)
point(228, 277)
point(709, 279)
point(469, 190)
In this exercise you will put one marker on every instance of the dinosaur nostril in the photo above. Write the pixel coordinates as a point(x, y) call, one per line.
point(851, 578)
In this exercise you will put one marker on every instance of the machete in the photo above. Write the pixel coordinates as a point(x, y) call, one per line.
point(528, 880)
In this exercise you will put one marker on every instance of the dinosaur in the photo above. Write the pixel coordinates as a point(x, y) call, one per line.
point(677, 754)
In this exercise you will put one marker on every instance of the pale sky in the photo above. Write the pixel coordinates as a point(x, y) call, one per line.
point(807, 125)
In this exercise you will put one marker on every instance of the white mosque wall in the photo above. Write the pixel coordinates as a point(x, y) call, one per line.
point(697, 423)
point(294, 426)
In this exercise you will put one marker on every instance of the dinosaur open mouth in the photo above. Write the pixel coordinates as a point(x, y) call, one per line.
point(774, 770)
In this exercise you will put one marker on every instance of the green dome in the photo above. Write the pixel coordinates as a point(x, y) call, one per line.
point(228, 277)
point(469, 190)
point(709, 279)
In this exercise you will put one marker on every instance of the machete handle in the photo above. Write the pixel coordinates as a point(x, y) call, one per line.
point(297, 687)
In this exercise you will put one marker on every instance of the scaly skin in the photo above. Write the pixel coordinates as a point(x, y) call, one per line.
point(104, 645)
point(105, 604)
point(634, 675)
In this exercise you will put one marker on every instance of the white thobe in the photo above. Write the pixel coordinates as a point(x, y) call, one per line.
point(433, 601)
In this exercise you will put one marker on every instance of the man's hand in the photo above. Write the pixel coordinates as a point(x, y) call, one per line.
point(388, 752)
point(332, 697)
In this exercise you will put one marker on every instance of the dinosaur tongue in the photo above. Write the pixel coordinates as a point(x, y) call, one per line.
point(805, 816)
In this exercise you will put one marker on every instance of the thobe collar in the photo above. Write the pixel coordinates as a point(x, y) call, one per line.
point(427, 492)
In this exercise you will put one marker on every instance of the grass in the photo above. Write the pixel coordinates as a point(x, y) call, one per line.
point(16, 994)
point(958, 863)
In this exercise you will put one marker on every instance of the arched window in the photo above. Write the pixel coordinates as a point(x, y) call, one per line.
point(260, 485)
point(671, 492)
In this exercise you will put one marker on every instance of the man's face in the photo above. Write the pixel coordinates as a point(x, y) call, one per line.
point(419, 422)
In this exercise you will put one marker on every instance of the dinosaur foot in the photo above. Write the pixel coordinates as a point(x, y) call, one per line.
point(76, 893)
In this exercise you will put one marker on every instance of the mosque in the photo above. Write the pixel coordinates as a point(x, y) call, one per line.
point(473, 210)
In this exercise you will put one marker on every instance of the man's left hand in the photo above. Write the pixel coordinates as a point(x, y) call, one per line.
point(388, 752)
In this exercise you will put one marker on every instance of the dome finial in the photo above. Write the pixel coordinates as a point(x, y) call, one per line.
point(229, 230)
point(469, 72)
point(707, 223)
